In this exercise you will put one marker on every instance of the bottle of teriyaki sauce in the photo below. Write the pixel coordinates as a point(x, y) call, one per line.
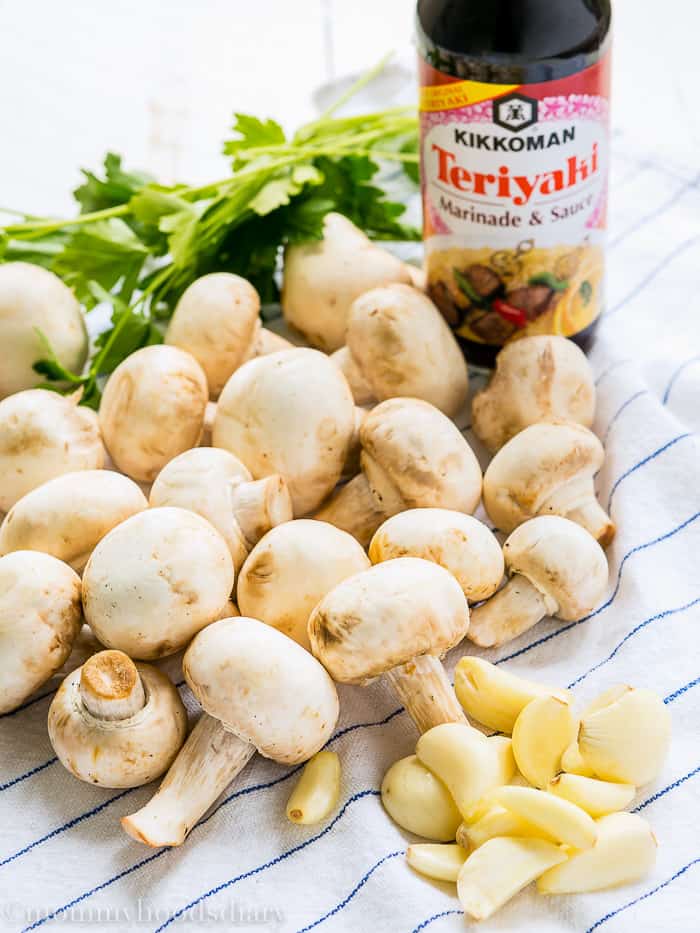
point(514, 108)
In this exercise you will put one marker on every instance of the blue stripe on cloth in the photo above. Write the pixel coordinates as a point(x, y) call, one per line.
point(665, 790)
point(681, 369)
point(28, 774)
point(611, 368)
point(642, 897)
point(655, 618)
point(657, 212)
point(681, 690)
point(443, 913)
point(620, 410)
point(648, 459)
point(360, 884)
point(635, 550)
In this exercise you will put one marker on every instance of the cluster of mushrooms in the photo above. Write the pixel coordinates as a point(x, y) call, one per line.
point(286, 516)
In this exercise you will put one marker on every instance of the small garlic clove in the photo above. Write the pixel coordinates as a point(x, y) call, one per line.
point(542, 733)
point(573, 763)
point(626, 739)
point(624, 852)
point(497, 870)
point(561, 819)
point(419, 802)
point(317, 791)
point(494, 697)
point(597, 798)
point(442, 862)
point(497, 821)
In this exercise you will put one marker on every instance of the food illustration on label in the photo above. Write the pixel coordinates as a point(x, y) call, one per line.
point(514, 198)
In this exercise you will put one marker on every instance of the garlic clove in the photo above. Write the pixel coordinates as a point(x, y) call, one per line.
point(597, 798)
point(442, 862)
point(573, 763)
point(497, 821)
point(627, 738)
point(624, 852)
point(542, 733)
point(495, 697)
point(497, 870)
point(419, 802)
point(317, 791)
point(561, 819)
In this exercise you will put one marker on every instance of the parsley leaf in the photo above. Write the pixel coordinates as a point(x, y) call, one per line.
point(117, 186)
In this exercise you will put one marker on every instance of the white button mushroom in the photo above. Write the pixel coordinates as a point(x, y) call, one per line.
point(290, 413)
point(400, 345)
point(547, 469)
point(43, 435)
point(458, 542)
point(259, 690)
point(153, 409)
point(40, 617)
point(536, 379)
point(322, 279)
point(32, 299)
point(68, 515)
point(556, 568)
point(216, 320)
point(115, 723)
point(413, 457)
point(155, 580)
point(291, 569)
point(397, 618)
point(216, 485)
point(361, 389)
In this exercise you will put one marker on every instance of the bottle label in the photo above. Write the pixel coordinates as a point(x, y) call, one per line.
point(514, 187)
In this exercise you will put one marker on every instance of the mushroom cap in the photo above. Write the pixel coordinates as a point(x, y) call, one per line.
point(536, 464)
point(290, 413)
point(43, 435)
point(291, 569)
point(263, 687)
point(403, 346)
point(202, 480)
point(33, 299)
point(460, 543)
point(118, 752)
point(40, 617)
point(323, 278)
point(68, 515)
point(153, 409)
point(155, 580)
point(386, 616)
point(561, 560)
point(216, 320)
point(542, 378)
point(415, 457)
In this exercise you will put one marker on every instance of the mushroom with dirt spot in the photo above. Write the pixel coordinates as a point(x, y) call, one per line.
point(539, 378)
point(547, 469)
point(43, 435)
point(115, 723)
point(216, 485)
point(398, 618)
point(260, 691)
point(412, 456)
point(153, 409)
point(155, 580)
point(291, 569)
point(556, 568)
point(40, 618)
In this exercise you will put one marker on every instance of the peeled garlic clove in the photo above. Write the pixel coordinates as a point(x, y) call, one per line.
point(624, 852)
point(435, 861)
point(573, 763)
point(542, 733)
point(419, 802)
point(627, 738)
point(606, 698)
point(505, 759)
point(466, 761)
point(493, 696)
point(597, 798)
point(562, 820)
point(497, 821)
point(500, 868)
point(317, 791)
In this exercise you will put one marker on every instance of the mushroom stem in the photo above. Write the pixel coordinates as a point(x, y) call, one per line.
point(593, 517)
point(259, 506)
point(424, 688)
point(111, 686)
point(511, 611)
point(353, 508)
point(206, 764)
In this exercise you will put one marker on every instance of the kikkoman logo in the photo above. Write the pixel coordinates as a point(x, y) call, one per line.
point(515, 112)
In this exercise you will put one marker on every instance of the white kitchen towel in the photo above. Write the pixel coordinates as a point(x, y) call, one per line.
point(65, 863)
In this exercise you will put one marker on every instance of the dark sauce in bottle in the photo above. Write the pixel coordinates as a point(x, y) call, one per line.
point(514, 152)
